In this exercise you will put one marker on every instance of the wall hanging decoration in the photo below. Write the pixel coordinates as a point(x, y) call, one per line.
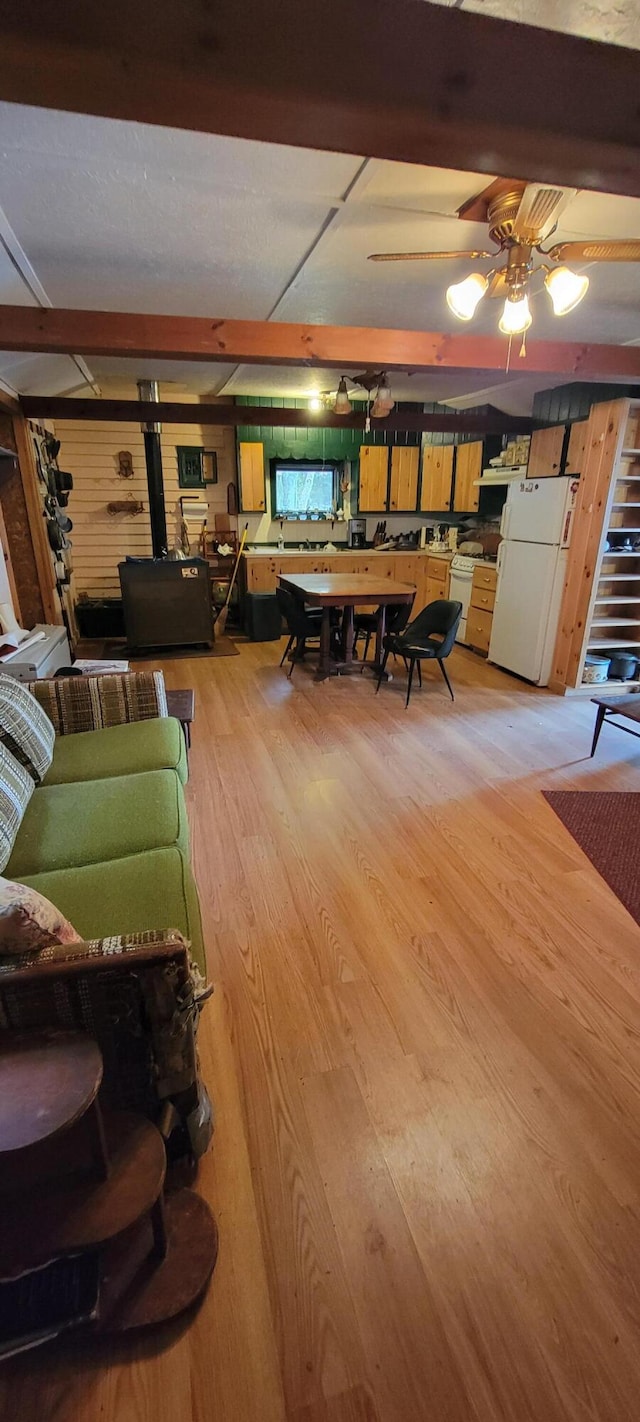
point(125, 464)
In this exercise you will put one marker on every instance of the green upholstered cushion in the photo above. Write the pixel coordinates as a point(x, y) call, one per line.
point(119, 750)
point(152, 890)
point(92, 820)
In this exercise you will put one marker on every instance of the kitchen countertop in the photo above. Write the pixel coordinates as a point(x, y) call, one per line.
point(352, 552)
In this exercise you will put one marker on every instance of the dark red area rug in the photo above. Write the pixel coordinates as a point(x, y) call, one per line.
point(606, 825)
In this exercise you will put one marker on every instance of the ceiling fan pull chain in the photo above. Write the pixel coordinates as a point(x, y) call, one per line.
point(523, 349)
point(506, 369)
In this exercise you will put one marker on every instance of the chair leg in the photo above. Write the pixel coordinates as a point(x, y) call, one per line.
point(443, 669)
point(411, 668)
point(297, 654)
point(381, 671)
point(419, 674)
point(287, 649)
point(366, 645)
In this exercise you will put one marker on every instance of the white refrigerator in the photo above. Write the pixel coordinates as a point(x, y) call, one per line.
point(536, 526)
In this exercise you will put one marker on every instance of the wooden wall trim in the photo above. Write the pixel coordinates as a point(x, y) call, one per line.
point(605, 433)
point(415, 82)
point(4, 539)
point(204, 338)
point(174, 412)
point(42, 552)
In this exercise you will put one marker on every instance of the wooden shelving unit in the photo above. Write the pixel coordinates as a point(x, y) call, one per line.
point(613, 623)
point(601, 600)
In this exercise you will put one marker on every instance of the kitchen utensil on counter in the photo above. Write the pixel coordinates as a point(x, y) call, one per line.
point(596, 669)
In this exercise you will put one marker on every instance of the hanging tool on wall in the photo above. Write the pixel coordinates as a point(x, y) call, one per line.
point(223, 614)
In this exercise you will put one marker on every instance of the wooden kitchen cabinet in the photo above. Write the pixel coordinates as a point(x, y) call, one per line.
point(468, 468)
point(252, 485)
point(374, 478)
point(437, 478)
point(479, 628)
point(545, 454)
point(481, 604)
point(403, 492)
point(577, 451)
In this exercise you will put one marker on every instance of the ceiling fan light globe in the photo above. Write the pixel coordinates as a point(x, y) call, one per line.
point(342, 403)
point(566, 289)
point(463, 296)
point(384, 401)
point(516, 317)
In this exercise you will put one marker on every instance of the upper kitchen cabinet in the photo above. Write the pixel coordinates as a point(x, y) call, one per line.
point(374, 478)
point(252, 484)
point(545, 454)
point(403, 494)
point(577, 451)
point(437, 478)
point(468, 469)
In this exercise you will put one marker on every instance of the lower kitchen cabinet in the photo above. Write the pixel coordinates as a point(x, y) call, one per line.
point(480, 614)
point(429, 575)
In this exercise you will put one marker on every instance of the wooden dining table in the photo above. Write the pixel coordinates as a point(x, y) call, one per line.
point(347, 591)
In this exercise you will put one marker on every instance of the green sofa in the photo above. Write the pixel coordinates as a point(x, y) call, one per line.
point(105, 837)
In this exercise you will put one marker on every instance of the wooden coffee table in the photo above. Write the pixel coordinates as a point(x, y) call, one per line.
point(609, 706)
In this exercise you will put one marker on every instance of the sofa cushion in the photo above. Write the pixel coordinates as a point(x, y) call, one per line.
point(16, 789)
point(92, 820)
point(29, 922)
point(87, 703)
point(144, 891)
point(25, 728)
point(119, 750)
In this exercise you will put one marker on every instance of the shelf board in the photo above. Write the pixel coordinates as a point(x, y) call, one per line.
point(601, 687)
point(602, 643)
point(631, 453)
point(621, 601)
point(619, 577)
point(618, 553)
point(628, 504)
point(615, 622)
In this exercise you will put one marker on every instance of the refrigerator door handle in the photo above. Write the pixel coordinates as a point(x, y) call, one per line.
point(504, 518)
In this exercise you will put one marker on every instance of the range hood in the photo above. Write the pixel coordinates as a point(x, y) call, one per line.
point(501, 474)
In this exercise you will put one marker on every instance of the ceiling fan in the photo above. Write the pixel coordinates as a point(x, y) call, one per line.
point(520, 216)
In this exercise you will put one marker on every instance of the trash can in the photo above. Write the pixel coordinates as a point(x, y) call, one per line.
point(262, 620)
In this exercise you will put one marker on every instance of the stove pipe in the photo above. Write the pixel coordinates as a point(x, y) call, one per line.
point(148, 391)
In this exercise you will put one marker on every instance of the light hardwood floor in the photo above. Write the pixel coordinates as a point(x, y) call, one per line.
point(424, 1051)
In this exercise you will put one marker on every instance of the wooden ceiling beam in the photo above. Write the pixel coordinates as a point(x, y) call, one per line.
point(43, 407)
point(356, 348)
point(422, 83)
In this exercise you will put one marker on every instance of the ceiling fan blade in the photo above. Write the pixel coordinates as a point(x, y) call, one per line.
point(498, 284)
point(422, 256)
point(539, 210)
point(623, 251)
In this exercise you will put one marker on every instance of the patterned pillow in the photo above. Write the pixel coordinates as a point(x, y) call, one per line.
point(29, 922)
point(87, 703)
point(16, 789)
point(25, 729)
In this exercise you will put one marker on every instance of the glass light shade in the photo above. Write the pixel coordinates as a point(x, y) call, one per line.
point(384, 401)
point(463, 297)
point(566, 289)
point(315, 403)
point(342, 403)
point(515, 318)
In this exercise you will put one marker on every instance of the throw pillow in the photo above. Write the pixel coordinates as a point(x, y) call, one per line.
point(25, 728)
point(16, 789)
point(88, 703)
point(29, 922)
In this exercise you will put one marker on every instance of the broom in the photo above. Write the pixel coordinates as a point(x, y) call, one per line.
point(221, 620)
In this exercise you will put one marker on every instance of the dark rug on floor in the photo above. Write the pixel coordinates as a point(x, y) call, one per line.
point(606, 825)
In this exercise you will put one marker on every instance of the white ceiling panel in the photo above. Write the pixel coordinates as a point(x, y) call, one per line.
point(615, 21)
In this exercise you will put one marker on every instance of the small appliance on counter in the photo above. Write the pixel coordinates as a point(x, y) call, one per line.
point(357, 533)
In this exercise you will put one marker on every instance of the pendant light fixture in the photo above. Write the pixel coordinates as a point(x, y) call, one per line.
point(516, 316)
point(566, 289)
point(384, 402)
point(463, 296)
point(342, 403)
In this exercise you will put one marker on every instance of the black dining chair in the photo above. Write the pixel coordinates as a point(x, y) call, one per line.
point(365, 623)
point(430, 637)
point(302, 626)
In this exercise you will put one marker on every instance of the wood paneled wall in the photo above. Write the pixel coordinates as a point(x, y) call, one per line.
point(90, 452)
point(19, 539)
